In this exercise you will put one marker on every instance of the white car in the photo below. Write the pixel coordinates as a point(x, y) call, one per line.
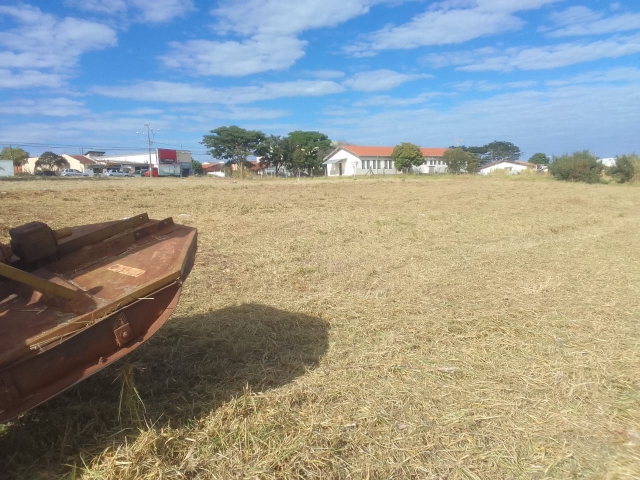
point(114, 173)
point(70, 172)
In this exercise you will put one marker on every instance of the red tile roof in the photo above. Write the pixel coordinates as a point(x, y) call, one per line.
point(255, 166)
point(363, 151)
point(212, 167)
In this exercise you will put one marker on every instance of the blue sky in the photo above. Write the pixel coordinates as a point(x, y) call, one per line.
point(551, 76)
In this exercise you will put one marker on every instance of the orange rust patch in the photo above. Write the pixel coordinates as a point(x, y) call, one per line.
point(123, 269)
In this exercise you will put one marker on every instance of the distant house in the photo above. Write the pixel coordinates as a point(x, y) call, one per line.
point(257, 167)
point(82, 163)
point(608, 162)
point(77, 162)
point(509, 166)
point(208, 167)
point(366, 160)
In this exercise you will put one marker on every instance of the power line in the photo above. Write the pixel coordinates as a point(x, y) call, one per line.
point(97, 147)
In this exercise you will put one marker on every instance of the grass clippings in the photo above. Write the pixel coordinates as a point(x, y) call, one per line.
point(374, 328)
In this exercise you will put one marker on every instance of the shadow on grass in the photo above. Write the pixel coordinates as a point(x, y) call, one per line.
point(189, 368)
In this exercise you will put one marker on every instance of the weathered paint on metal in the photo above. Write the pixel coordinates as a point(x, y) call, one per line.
point(130, 279)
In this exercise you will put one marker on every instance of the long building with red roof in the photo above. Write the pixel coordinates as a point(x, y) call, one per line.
point(367, 160)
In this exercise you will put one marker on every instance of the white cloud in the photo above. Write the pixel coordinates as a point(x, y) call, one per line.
point(50, 107)
point(285, 17)
point(484, 86)
point(615, 75)
point(343, 111)
point(43, 49)
point(576, 21)
point(538, 58)
point(233, 113)
point(446, 23)
point(156, 11)
point(601, 118)
point(388, 101)
point(188, 93)
point(268, 32)
point(383, 79)
point(232, 58)
point(324, 74)
point(29, 79)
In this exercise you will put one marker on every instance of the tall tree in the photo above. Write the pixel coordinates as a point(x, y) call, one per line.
point(459, 161)
point(313, 145)
point(51, 161)
point(405, 155)
point(276, 151)
point(18, 155)
point(497, 151)
point(196, 167)
point(539, 159)
point(233, 144)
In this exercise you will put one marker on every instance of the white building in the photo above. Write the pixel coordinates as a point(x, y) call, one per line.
point(77, 162)
point(363, 160)
point(508, 166)
point(6, 168)
point(171, 162)
point(608, 162)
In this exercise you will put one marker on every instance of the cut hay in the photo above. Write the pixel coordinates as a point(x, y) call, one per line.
point(371, 328)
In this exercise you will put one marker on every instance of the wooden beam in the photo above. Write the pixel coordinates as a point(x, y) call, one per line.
point(37, 283)
point(96, 236)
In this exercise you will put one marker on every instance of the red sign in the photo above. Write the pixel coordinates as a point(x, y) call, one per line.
point(167, 157)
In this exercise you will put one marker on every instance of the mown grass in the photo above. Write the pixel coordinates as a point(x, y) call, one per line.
point(372, 328)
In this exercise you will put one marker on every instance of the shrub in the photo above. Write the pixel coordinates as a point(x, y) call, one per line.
point(624, 169)
point(458, 161)
point(579, 167)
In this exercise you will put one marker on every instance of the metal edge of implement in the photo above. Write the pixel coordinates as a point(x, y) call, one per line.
point(74, 358)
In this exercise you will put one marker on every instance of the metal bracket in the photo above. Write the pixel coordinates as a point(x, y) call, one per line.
point(122, 330)
point(9, 395)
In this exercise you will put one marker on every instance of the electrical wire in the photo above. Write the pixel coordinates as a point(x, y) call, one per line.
point(194, 150)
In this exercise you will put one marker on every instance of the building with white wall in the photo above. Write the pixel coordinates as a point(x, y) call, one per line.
point(508, 166)
point(608, 162)
point(364, 160)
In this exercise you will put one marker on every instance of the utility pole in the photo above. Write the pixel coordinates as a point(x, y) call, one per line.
point(149, 147)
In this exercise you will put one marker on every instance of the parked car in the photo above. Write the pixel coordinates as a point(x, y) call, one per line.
point(45, 173)
point(70, 172)
point(154, 172)
point(114, 173)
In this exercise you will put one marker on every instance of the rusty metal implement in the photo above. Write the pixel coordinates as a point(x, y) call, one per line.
point(74, 300)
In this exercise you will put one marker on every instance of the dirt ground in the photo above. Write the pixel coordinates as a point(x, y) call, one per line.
point(361, 328)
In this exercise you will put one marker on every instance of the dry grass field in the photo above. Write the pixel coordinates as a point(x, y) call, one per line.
point(472, 328)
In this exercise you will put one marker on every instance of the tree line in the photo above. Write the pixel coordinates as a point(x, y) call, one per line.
point(463, 159)
point(299, 151)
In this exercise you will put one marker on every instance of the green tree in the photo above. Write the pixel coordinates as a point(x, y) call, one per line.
point(196, 167)
point(313, 145)
point(497, 151)
point(18, 155)
point(51, 161)
point(233, 144)
point(624, 169)
point(298, 161)
point(276, 151)
point(579, 167)
point(459, 161)
point(539, 159)
point(406, 155)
